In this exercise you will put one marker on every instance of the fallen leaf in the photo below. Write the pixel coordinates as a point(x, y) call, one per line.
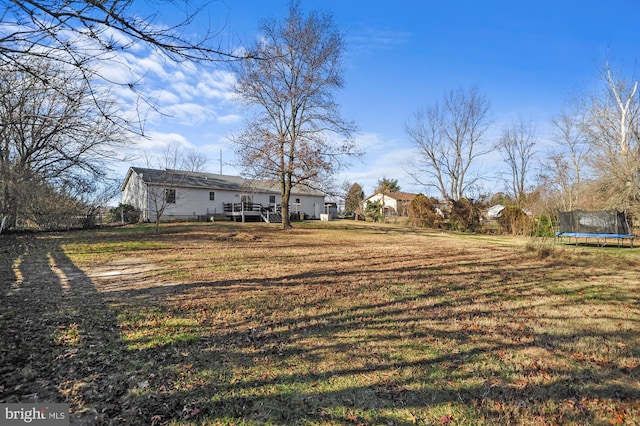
point(617, 420)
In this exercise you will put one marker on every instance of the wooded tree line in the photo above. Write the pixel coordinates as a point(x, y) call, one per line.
point(593, 163)
point(54, 146)
point(596, 162)
point(60, 127)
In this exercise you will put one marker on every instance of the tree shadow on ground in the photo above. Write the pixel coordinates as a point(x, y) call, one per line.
point(62, 340)
point(305, 358)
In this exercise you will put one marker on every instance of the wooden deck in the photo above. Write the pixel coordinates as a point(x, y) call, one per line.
point(251, 212)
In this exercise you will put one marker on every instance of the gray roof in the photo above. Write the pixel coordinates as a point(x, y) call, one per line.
point(186, 179)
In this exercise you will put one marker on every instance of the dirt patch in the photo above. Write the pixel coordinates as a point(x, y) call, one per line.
point(121, 275)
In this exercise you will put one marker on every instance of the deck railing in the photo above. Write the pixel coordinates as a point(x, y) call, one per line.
point(242, 207)
point(269, 214)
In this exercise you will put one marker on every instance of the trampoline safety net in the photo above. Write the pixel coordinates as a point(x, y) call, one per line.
point(593, 222)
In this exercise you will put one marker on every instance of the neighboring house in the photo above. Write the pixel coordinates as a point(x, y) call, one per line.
point(200, 196)
point(393, 203)
point(495, 212)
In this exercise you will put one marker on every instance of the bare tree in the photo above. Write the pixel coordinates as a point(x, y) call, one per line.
point(447, 136)
point(162, 191)
point(82, 33)
point(51, 135)
point(193, 161)
point(166, 175)
point(290, 140)
point(613, 132)
point(564, 169)
point(517, 145)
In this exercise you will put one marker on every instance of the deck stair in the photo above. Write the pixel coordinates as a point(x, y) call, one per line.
point(252, 212)
point(271, 217)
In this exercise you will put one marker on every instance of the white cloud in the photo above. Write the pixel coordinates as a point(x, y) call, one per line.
point(187, 113)
point(184, 93)
point(118, 38)
point(369, 142)
point(159, 141)
point(229, 118)
point(151, 66)
point(382, 159)
point(184, 89)
point(115, 71)
point(216, 85)
point(165, 97)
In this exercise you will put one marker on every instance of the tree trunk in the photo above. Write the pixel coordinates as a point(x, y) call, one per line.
point(286, 196)
point(11, 205)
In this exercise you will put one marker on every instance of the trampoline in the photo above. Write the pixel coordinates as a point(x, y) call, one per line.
point(598, 225)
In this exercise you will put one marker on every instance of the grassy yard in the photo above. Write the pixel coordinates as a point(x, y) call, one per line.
point(338, 323)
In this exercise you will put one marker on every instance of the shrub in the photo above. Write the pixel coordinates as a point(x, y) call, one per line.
point(515, 221)
point(544, 227)
point(464, 216)
point(126, 213)
point(542, 247)
point(373, 210)
point(422, 212)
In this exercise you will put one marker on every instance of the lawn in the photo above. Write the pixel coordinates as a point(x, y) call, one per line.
point(338, 323)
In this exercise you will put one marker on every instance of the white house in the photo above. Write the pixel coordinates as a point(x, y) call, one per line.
point(393, 203)
point(495, 212)
point(194, 195)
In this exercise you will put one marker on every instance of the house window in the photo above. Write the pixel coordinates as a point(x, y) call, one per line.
point(212, 195)
point(170, 195)
point(272, 199)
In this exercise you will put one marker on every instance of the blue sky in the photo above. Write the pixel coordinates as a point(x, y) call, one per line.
point(528, 58)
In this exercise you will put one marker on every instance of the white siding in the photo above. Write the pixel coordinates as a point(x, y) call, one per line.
point(193, 202)
point(385, 199)
point(135, 194)
point(311, 205)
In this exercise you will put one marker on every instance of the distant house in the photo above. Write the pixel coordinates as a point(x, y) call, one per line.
point(495, 212)
point(393, 203)
point(201, 196)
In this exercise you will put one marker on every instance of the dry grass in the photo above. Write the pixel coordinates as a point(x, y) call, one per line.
point(331, 323)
